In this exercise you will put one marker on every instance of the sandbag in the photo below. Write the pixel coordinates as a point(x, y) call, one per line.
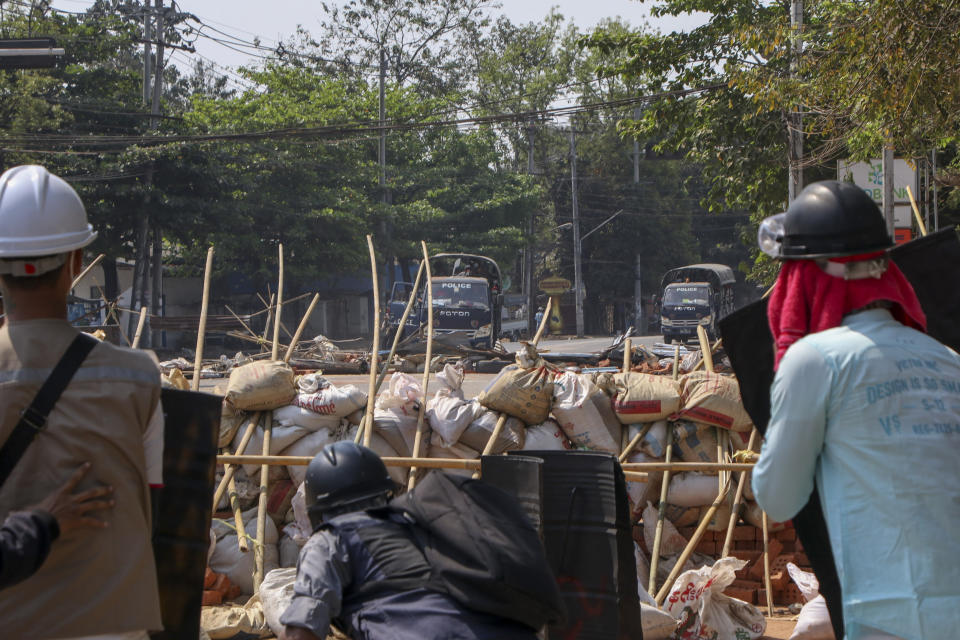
point(260, 386)
point(448, 413)
point(276, 593)
point(698, 600)
point(230, 421)
point(753, 514)
point(643, 576)
point(356, 417)
point(238, 566)
point(692, 489)
point(333, 400)
point(293, 415)
point(546, 437)
point(713, 398)
point(383, 449)
point(681, 516)
point(657, 624)
point(640, 493)
point(309, 445)
point(584, 413)
point(279, 499)
point(281, 437)
point(721, 517)
point(456, 450)
point(671, 542)
point(694, 442)
point(813, 623)
point(288, 551)
point(227, 622)
point(396, 411)
point(654, 441)
point(643, 397)
point(525, 393)
point(513, 436)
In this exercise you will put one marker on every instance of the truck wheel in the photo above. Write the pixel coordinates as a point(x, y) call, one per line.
point(491, 366)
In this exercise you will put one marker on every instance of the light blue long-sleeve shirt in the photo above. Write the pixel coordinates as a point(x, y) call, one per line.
point(870, 411)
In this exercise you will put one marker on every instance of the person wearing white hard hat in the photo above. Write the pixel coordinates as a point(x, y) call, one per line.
point(94, 583)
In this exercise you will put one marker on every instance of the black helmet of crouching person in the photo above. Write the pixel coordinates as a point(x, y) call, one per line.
point(832, 219)
point(344, 477)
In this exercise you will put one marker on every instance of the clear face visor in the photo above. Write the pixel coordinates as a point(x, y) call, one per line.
point(770, 235)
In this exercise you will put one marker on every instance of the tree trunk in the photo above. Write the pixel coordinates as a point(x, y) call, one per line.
point(111, 281)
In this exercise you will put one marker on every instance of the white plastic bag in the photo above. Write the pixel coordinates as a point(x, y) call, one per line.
point(585, 413)
point(448, 412)
point(806, 581)
point(703, 612)
point(814, 622)
point(396, 411)
point(276, 592)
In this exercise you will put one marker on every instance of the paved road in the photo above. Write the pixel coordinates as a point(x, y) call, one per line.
point(582, 345)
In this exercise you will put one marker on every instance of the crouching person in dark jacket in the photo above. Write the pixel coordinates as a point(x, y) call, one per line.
point(362, 569)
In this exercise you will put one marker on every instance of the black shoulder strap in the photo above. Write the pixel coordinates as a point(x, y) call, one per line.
point(33, 419)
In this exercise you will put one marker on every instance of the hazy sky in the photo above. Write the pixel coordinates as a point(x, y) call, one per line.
point(274, 20)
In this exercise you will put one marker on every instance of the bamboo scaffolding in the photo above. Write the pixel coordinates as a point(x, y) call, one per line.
point(366, 425)
point(136, 336)
point(916, 212)
point(661, 515)
point(737, 500)
point(258, 548)
point(242, 323)
point(87, 270)
point(691, 545)
point(238, 517)
point(301, 327)
point(418, 437)
point(202, 329)
point(275, 352)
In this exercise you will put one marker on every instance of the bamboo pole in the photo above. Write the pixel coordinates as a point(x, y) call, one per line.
point(705, 349)
point(301, 327)
point(737, 500)
point(627, 450)
point(627, 354)
point(366, 425)
point(136, 336)
point(266, 327)
point(242, 323)
point(661, 515)
point(202, 329)
point(543, 322)
point(676, 362)
point(275, 353)
point(399, 334)
point(713, 349)
point(87, 270)
point(418, 437)
point(766, 563)
point(231, 469)
point(258, 548)
point(916, 212)
point(238, 517)
point(691, 545)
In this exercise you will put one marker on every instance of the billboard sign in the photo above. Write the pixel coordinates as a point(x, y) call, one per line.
point(869, 177)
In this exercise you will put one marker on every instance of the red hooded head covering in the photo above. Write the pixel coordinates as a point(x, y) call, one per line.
point(806, 299)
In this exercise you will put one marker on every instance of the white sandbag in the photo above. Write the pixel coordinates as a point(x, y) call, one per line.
point(276, 593)
point(281, 437)
point(383, 449)
point(311, 383)
point(356, 417)
point(396, 411)
point(692, 489)
point(333, 400)
point(477, 434)
point(546, 437)
point(671, 542)
point(300, 517)
point(456, 450)
point(639, 493)
point(643, 574)
point(449, 415)
point(806, 581)
point(260, 386)
point(813, 623)
point(585, 414)
point(292, 415)
point(247, 621)
point(288, 551)
point(309, 445)
point(403, 391)
point(654, 441)
point(697, 598)
point(657, 624)
point(238, 566)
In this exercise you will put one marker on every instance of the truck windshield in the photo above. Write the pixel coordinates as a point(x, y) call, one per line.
point(461, 295)
point(687, 294)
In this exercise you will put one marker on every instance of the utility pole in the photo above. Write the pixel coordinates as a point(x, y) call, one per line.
point(795, 119)
point(933, 174)
point(382, 153)
point(636, 151)
point(887, 168)
point(528, 287)
point(157, 284)
point(577, 275)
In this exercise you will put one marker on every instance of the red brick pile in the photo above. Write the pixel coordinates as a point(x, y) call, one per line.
point(218, 589)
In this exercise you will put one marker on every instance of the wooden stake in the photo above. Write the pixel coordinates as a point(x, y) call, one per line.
point(627, 354)
point(713, 349)
point(737, 500)
point(238, 517)
point(399, 334)
point(418, 438)
point(266, 327)
point(258, 548)
point(87, 270)
point(136, 336)
point(766, 563)
point(705, 349)
point(676, 362)
point(242, 323)
point(275, 353)
point(202, 329)
point(301, 327)
point(691, 545)
point(661, 514)
point(543, 322)
point(916, 212)
point(230, 469)
point(366, 425)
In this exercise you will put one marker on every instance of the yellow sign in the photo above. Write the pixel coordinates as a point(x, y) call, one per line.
point(555, 285)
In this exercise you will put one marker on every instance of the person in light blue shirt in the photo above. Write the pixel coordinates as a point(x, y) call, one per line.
point(866, 409)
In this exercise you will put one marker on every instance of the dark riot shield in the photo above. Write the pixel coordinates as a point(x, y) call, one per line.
point(932, 265)
point(181, 534)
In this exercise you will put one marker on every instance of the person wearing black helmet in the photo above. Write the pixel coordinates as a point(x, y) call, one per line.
point(866, 408)
point(354, 547)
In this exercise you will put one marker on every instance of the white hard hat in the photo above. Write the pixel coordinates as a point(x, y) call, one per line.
point(40, 215)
